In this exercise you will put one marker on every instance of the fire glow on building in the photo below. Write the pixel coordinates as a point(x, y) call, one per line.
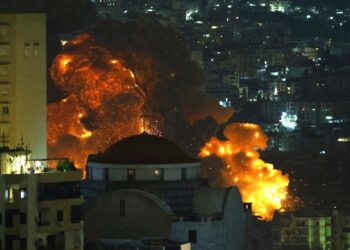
point(106, 102)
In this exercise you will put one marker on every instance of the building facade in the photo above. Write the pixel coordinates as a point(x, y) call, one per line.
point(39, 208)
point(23, 73)
point(148, 187)
point(324, 230)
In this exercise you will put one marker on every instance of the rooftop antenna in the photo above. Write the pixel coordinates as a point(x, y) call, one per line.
point(22, 142)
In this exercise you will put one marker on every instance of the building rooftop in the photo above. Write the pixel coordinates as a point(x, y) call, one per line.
point(143, 149)
point(18, 161)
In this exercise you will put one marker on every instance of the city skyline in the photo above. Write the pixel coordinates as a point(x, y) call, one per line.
point(258, 91)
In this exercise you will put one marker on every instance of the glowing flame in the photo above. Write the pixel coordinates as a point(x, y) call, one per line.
point(104, 103)
point(259, 183)
point(64, 61)
point(99, 91)
point(86, 134)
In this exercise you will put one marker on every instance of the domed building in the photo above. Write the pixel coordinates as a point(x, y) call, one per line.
point(149, 163)
point(147, 186)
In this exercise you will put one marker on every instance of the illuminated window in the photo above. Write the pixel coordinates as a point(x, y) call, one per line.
point(23, 193)
point(247, 206)
point(131, 174)
point(159, 174)
point(9, 194)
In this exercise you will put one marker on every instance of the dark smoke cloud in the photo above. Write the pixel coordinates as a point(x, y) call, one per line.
point(172, 82)
point(105, 98)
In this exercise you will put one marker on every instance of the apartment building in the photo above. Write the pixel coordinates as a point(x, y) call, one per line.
point(326, 230)
point(23, 72)
point(39, 207)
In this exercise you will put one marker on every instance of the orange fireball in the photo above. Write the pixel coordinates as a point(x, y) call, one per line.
point(258, 181)
point(99, 90)
point(106, 102)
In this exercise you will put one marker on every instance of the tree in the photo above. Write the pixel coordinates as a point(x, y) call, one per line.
point(65, 165)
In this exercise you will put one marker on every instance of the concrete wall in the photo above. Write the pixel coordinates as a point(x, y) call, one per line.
point(226, 233)
point(145, 216)
point(208, 233)
point(234, 221)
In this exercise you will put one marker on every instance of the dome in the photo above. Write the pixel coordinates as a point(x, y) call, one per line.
point(211, 201)
point(143, 149)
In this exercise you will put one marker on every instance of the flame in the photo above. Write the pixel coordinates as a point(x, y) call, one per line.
point(86, 134)
point(103, 105)
point(258, 181)
point(64, 61)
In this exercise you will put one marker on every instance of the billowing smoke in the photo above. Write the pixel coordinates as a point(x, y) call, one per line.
point(135, 73)
point(120, 79)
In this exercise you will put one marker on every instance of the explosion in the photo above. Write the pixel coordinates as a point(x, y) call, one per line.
point(118, 86)
point(258, 182)
point(139, 76)
point(100, 89)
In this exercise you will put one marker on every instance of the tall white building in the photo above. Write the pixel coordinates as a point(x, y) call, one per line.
point(23, 73)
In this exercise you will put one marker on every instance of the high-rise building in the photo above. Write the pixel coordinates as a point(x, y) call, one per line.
point(39, 207)
point(23, 73)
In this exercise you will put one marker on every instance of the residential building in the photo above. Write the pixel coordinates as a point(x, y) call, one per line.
point(312, 230)
point(40, 207)
point(23, 73)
